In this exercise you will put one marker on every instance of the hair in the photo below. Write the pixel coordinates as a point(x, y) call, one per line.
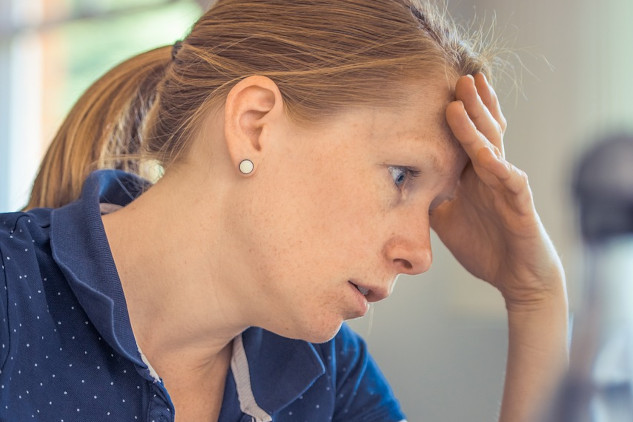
point(322, 54)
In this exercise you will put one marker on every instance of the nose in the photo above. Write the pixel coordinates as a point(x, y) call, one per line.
point(410, 252)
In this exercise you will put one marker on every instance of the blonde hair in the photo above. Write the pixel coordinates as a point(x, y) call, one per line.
point(322, 54)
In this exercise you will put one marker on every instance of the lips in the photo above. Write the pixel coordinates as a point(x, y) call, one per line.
point(373, 293)
point(364, 290)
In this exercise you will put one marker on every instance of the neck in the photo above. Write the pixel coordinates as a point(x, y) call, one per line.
point(182, 304)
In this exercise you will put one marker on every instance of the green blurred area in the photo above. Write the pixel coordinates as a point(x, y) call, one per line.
point(95, 45)
point(112, 5)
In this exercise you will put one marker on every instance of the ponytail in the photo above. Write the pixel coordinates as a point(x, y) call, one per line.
point(103, 130)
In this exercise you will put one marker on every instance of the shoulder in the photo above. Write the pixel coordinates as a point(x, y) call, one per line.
point(24, 254)
point(19, 227)
point(23, 238)
point(19, 235)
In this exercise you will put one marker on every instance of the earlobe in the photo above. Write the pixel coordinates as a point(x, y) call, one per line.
point(252, 107)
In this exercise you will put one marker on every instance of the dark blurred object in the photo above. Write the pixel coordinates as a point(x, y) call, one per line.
point(599, 384)
point(604, 189)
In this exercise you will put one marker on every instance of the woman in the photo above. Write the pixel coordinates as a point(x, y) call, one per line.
point(308, 147)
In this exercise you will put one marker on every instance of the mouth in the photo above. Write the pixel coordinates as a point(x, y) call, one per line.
point(360, 300)
point(363, 290)
point(374, 293)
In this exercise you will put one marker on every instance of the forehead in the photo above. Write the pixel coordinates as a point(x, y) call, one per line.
point(410, 126)
point(422, 109)
point(418, 121)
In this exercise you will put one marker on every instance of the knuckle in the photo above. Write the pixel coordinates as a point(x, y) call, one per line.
point(498, 128)
point(474, 113)
point(503, 124)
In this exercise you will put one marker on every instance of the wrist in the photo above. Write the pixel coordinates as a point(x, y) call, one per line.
point(537, 356)
point(541, 301)
point(542, 324)
point(536, 294)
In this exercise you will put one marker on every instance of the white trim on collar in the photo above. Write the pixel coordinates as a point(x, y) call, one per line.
point(106, 208)
point(152, 371)
point(239, 366)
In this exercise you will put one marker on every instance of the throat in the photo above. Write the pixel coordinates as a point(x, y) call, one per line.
point(197, 392)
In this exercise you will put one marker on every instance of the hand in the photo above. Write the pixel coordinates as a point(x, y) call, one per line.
point(491, 226)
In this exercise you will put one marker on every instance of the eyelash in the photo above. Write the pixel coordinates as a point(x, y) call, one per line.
point(403, 173)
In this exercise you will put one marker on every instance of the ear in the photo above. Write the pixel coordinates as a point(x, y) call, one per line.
point(252, 107)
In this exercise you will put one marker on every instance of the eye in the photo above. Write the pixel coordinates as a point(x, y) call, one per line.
point(400, 175)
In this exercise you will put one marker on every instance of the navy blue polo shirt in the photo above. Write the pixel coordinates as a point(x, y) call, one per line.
point(67, 351)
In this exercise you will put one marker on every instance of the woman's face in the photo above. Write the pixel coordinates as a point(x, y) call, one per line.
point(333, 213)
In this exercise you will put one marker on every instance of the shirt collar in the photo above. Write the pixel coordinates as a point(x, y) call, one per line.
point(80, 248)
point(272, 371)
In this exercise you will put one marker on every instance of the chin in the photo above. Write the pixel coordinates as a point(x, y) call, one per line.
point(323, 337)
point(315, 331)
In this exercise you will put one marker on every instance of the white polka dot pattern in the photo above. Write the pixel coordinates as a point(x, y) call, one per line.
point(67, 351)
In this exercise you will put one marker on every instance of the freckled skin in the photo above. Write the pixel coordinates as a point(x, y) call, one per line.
point(323, 209)
point(278, 248)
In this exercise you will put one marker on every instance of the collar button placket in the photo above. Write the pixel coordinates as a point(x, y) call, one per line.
point(160, 407)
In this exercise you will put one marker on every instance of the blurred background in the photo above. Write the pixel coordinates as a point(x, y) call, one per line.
point(441, 338)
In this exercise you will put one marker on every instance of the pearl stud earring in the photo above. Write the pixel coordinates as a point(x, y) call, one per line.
point(246, 166)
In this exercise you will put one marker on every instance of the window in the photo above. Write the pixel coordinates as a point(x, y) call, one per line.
point(50, 52)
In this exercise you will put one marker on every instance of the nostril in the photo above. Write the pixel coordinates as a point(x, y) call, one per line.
point(404, 263)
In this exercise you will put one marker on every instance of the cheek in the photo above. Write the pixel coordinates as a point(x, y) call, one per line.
point(307, 236)
point(320, 223)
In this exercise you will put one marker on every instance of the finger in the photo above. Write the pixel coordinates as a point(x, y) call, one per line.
point(490, 99)
point(466, 91)
point(464, 129)
point(474, 143)
point(508, 179)
point(487, 161)
point(494, 164)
